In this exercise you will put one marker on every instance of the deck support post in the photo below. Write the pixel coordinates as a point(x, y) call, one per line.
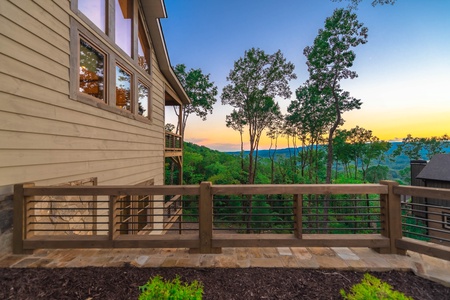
point(391, 218)
point(205, 215)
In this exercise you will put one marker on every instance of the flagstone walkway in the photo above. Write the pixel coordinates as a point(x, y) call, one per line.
point(357, 259)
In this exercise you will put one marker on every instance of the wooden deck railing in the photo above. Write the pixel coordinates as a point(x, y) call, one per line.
point(173, 142)
point(215, 216)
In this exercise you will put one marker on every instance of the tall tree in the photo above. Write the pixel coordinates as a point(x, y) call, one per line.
point(199, 89)
point(256, 79)
point(329, 61)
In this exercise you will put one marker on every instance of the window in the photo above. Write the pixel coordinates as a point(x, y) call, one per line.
point(95, 11)
point(143, 103)
point(143, 49)
point(123, 89)
point(105, 66)
point(446, 220)
point(123, 18)
point(92, 67)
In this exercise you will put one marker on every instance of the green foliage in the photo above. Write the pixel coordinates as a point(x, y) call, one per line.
point(255, 80)
point(329, 60)
point(158, 289)
point(199, 89)
point(372, 288)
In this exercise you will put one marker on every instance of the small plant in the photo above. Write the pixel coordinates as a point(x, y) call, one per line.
point(159, 289)
point(373, 288)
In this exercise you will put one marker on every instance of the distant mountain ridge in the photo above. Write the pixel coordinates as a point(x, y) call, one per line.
point(290, 151)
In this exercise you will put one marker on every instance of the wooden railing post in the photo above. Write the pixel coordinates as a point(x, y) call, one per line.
point(205, 215)
point(391, 217)
point(298, 215)
point(20, 216)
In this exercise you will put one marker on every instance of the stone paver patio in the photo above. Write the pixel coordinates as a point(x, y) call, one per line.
point(357, 259)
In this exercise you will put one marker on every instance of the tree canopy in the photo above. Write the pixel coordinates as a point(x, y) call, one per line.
point(255, 81)
point(329, 60)
point(199, 89)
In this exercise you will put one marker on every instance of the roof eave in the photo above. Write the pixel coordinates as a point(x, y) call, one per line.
point(153, 11)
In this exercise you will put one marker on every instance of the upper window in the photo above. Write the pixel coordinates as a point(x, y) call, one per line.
point(92, 67)
point(110, 69)
point(95, 10)
point(143, 49)
point(124, 18)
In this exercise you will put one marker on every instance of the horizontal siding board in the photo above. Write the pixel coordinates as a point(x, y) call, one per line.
point(106, 169)
point(59, 26)
point(20, 23)
point(24, 123)
point(31, 74)
point(30, 57)
point(27, 157)
point(25, 140)
point(31, 41)
point(59, 9)
point(59, 107)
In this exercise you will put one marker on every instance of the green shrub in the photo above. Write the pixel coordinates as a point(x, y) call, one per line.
point(158, 289)
point(373, 288)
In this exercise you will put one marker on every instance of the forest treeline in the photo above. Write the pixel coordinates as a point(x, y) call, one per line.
point(357, 160)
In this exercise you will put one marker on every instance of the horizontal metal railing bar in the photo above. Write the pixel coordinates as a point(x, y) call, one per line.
point(427, 228)
point(291, 200)
point(255, 228)
point(426, 212)
point(241, 207)
point(426, 236)
point(341, 214)
point(68, 208)
point(272, 214)
point(342, 221)
point(424, 220)
point(67, 201)
point(67, 223)
point(335, 229)
point(426, 192)
point(340, 207)
point(155, 215)
point(72, 229)
point(111, 190)
point(253, 221)
point(423, 205)
point(67, 216)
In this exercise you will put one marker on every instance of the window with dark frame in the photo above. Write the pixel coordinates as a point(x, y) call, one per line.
point(105, 73)
point(92, 70)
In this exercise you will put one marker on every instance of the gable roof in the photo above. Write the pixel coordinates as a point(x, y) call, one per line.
point(438, 168)
point(153, 11)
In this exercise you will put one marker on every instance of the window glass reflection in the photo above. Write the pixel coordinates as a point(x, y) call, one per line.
point(123, 89)
point(94, 10)
point(143, 100)
point(143, 49)
point(124, 14)
point(92, 68)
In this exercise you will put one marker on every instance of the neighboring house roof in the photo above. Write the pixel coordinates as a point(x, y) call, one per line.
point(438, 168)
point(153, 11)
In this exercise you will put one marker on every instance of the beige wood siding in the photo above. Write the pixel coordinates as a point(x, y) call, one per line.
point(48, 138)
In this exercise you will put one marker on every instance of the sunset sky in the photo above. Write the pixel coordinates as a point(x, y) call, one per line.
point(404, 69)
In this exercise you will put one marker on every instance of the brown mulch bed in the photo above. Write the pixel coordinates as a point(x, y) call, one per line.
point(219, 283)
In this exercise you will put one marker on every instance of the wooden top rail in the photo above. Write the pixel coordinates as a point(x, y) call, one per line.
point(111, 190)
point(250, 189)
point(434, 193)
point(319, 189)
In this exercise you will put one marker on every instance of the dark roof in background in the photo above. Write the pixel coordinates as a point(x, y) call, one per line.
point(438, 168)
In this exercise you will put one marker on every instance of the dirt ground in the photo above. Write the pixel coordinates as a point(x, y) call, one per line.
point(219, 283)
